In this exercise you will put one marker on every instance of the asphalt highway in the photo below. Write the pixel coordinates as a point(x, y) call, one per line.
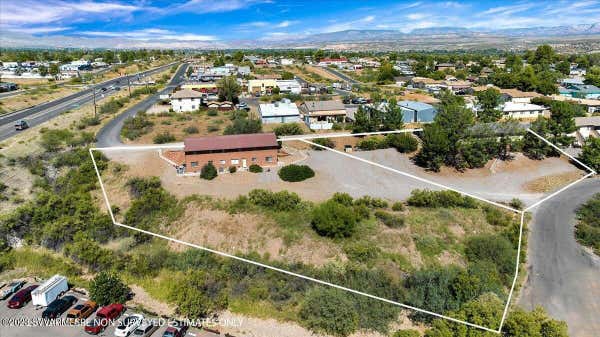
point(341, 75)
point(110, 134)
point(564, 278)
point(46, 111)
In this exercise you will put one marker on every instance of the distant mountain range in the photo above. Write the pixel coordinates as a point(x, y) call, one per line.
point(423, 38)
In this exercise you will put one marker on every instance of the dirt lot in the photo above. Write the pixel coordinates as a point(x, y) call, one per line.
point(34, 97)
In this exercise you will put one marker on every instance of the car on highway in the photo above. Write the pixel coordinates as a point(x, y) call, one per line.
point(147, 328)
point(21, 298)
point(11, 288)
point(176, 329)
point(103, 317)
point(58, 307)
point(81, 311)
point(128, 325)
point(21, 125)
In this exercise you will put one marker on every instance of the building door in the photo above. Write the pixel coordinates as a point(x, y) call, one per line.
point(244, 164)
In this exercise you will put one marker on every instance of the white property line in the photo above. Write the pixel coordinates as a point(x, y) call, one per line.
point(561, 151)
point(308, 278)
point(412, 176)
point(336, 135)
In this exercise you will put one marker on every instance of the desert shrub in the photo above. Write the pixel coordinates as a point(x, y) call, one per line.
point(191, 130)
point(164, 137)
point(138, 186)
point(288, 129)
point(361, 251)
point(108, 288)
point(212, 112)
point(372, 143)
point(232, 169)
point(587, 230)
point(134, 127)
point(208, 172)
point(330, 311)
point(426, 198)
point(390, 220)
point(243, 125)
point(334, 220)
point(279, 201)
point(342, 198)
point(492, 248)
point(294, 173)
point(255, 168)
point(323, 142)
point(54, 140)
point(88, 121)
point(403, 142)
point(398, 206)
point(516, 204)
point(407, 333)
point(496, 217)
point(371, 202)
point(212, 128)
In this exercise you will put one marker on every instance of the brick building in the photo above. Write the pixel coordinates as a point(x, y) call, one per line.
point(223, 152)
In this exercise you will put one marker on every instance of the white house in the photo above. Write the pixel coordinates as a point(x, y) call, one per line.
point(523, 110)
point(291, 86)
point(586, 127)
point(285, 111)
point(186, 100)
point(286, 62)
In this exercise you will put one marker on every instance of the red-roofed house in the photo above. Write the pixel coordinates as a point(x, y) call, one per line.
point(223, 152)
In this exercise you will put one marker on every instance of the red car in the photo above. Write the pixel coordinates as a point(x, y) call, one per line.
point(176, 329)
point(103, 318)
point(21, 298)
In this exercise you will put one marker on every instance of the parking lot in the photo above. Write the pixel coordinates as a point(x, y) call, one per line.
point(27, 322)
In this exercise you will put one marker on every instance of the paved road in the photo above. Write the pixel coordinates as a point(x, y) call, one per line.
point(341, 75)
point(563, 277)
point(46, 111)
point(110, 134)
point(11, 93)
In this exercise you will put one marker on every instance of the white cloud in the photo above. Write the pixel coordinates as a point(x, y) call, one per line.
point(39, 29)
point(150, 34)
point(286, 23)
point(416, 16)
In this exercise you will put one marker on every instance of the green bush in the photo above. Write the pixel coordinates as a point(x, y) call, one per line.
point(493, 248)
point(587, 230)
point(107, 288)
point(294, 173)
point(328, 310)
point(390, 220)
point(288, 129)
point(398, 206)
point(279, 201)
point(163, 138)
point(342, 198)
point(407, 333)
point(426, 198)
point(516, 204)
point(334, 220)
point(212, 112)
point(323, 142)
point(371, 202)
point(135, 127)
point(254, 168)
point(208, 172)
point(232, 169)
point(372, 143)
point(361, 251)
point(403, 142)
point(191, 130)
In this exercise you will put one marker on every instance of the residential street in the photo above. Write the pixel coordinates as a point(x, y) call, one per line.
point(563, 277)
point(341, 75)
point(110, 134)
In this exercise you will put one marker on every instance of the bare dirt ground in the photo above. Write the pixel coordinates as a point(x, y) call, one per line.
point(35, 97)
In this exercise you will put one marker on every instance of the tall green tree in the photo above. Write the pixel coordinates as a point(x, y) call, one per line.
point(489, 100)
point(107, 288)
point(592, 76)
point(590, 154)
point(229, 89)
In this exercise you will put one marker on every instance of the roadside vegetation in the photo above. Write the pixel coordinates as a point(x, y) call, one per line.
point(587, 230)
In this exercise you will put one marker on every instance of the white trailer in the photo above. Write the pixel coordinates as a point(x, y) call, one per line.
point(49, 290)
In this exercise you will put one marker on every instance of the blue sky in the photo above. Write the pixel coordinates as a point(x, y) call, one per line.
point(226, 20)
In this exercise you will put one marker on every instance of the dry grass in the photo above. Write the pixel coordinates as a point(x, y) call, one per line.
point(552, 182)
point(34, 97)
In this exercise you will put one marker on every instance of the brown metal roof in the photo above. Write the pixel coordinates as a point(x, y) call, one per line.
point(230, 142)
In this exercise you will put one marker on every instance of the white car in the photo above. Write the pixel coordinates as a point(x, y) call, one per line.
point(128, 325)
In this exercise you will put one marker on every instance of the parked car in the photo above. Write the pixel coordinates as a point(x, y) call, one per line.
point(103, 318)
point(10, 289)
point(176, 329)
point(128, 325)
point(82, 311)
point(21, 125)
point(21, 298)
point(59, 306)
point(146, 329)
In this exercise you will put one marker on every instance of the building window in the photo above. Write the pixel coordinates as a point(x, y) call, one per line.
point(269, 159)
point(235, 161)
point(223, 162)
point(194, 164)
point(254, 159)
point(221, 169)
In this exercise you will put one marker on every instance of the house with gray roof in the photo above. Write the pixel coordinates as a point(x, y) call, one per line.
point(321, 115)
point(417, 112)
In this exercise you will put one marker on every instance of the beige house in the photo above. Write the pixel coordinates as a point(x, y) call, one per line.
point(321, 115)
point(264, 86)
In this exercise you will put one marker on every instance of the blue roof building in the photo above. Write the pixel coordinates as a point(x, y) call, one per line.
point(580, 91)
point(417, 112)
